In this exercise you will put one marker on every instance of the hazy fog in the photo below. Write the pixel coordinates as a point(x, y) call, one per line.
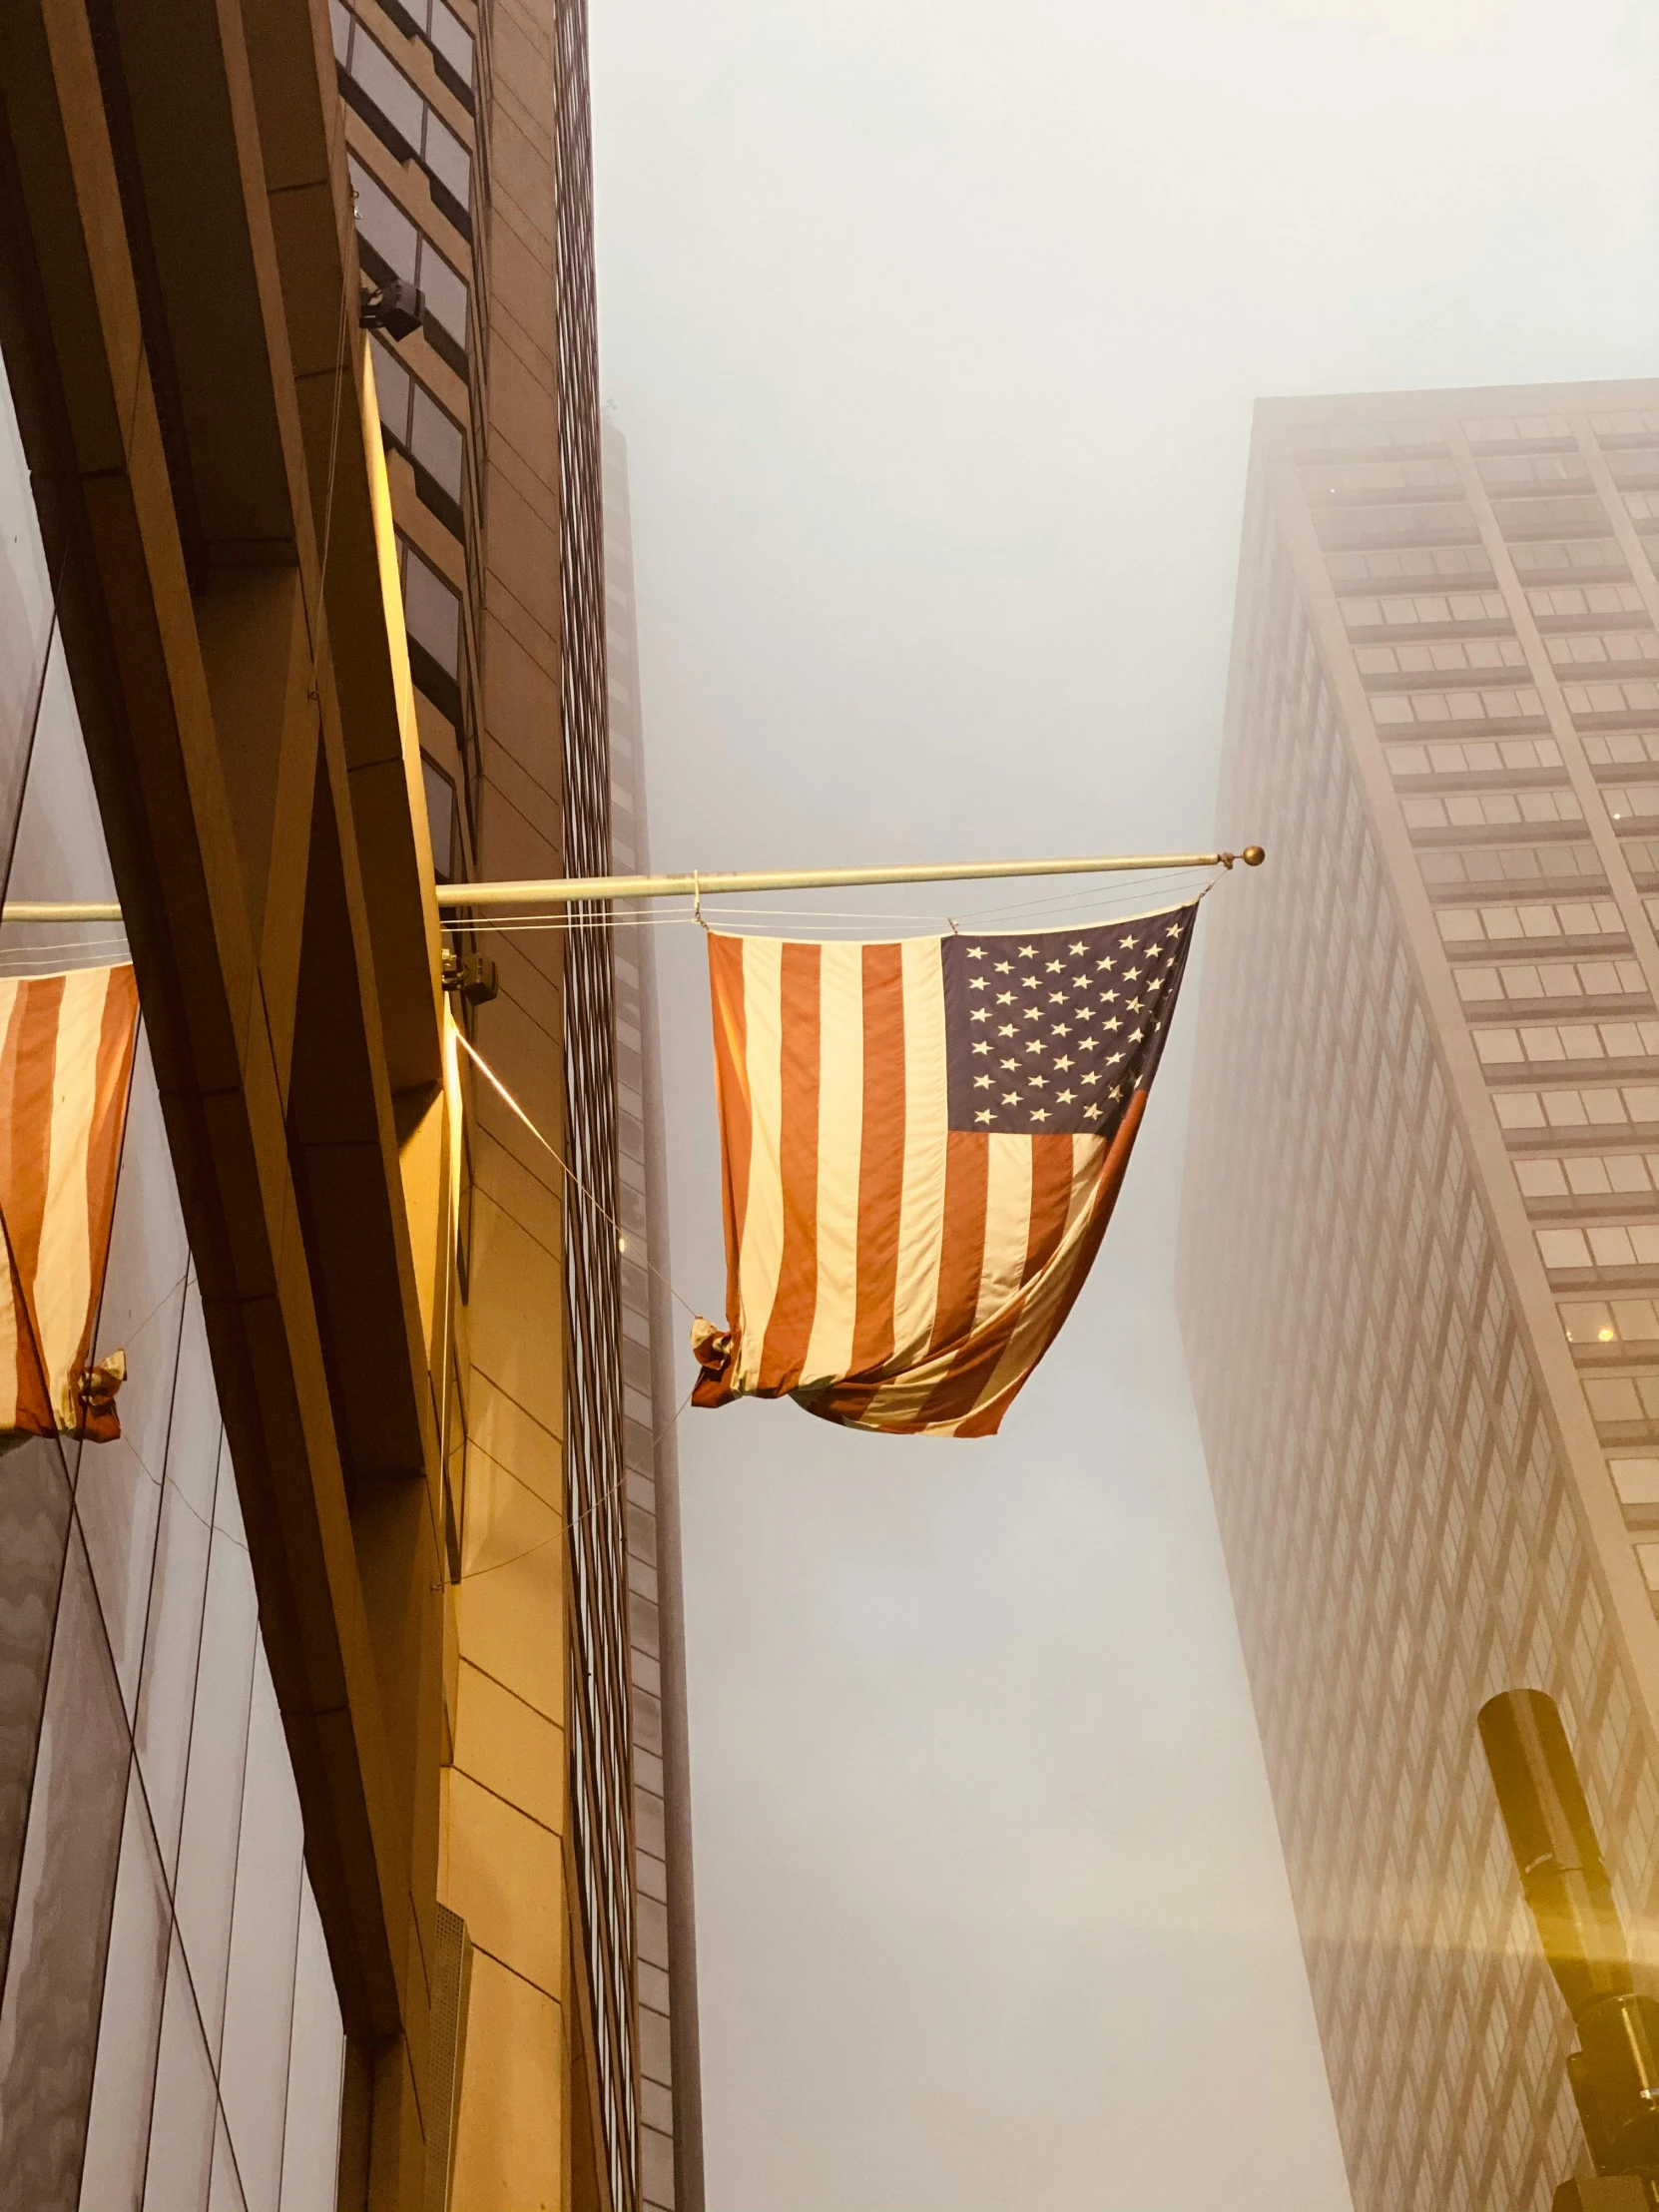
point(934, 330)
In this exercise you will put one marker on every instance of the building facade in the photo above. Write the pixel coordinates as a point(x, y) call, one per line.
point(303, 617)
point(1419, 1255)
point(671, 2111)
point(170, 2028)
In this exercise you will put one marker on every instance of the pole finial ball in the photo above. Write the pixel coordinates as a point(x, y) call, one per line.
point(1253, 856)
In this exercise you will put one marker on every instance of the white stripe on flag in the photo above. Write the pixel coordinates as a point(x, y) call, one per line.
point(840, 1129)
point(1007, 1223)
point(762, 1232)
point(926, 1128)
point(63, 1274)
point(11, 1326)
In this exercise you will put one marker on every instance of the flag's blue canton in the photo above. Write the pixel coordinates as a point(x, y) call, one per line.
point(1054, 1031)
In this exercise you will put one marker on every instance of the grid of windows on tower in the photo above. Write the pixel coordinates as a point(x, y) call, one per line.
point(601, 1761)
point(1393, 1501)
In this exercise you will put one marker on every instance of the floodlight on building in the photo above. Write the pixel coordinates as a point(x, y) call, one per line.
point(1614, 2074)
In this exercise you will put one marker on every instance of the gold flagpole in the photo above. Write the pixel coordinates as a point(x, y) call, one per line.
point(564, 890)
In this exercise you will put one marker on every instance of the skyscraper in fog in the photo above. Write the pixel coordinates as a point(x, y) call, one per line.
point(671, 2112)
point(1419, 1271)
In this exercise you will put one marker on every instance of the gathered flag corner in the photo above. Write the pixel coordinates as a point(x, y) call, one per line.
point(922, 1143)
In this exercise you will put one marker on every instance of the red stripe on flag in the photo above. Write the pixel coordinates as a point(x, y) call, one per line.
point(789, 1327)
point(731, 1093)
point(28, 1071)
point(881, 1156)
point(962, 1260)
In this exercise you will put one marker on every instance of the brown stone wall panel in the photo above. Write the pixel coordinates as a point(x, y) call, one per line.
point(531, 987)
point(510, 1605)
point(522, 1190)
point(521, 162)
point(524, 66)
point(523, 289)
point(534, 485)
point(523, 405)
point(522, 1182)
point(509, 2139)
point(516, 817)
point(650, 1873)
point(655, 2168)
point(524, 549)
point(656, 2057)
point(543, 647)
point(652, 1930)
point(515, 1046)
point(648, 1718)
point(509, 1749)
point(507, 615)
point(500, 1427)
point(515, 1305)
point(504, 1880)
point(521, 712)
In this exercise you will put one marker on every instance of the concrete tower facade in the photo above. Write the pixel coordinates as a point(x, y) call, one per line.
point(1419, 1268)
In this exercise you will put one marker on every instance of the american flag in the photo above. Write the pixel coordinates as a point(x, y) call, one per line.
point(923, 1144)
point(66, 1065)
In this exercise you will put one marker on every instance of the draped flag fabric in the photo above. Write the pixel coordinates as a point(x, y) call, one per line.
point(922, 1146)
point(66, 1063)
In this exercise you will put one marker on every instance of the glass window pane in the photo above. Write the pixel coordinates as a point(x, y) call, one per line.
point(392, 386)
point(173, 1638)
point(387, 87)
point(205, 1883)
point(445, 293)
point(452, 38)
point(25, 617)
point(259, 2000)
point(119, 1488)
point(225, 2190)
point(124, 2078)
point(449, 160)
point(383, 225)
point(60, 1932)
point(185, 2111)
point(311, 2141)
point(436, 440)
point(440, 817)
point(34, 1527)
point(432, 612)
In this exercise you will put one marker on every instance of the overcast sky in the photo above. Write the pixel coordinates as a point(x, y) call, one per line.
point(934, 327)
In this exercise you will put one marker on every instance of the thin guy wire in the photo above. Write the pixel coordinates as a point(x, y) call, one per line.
point(604, 1214)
